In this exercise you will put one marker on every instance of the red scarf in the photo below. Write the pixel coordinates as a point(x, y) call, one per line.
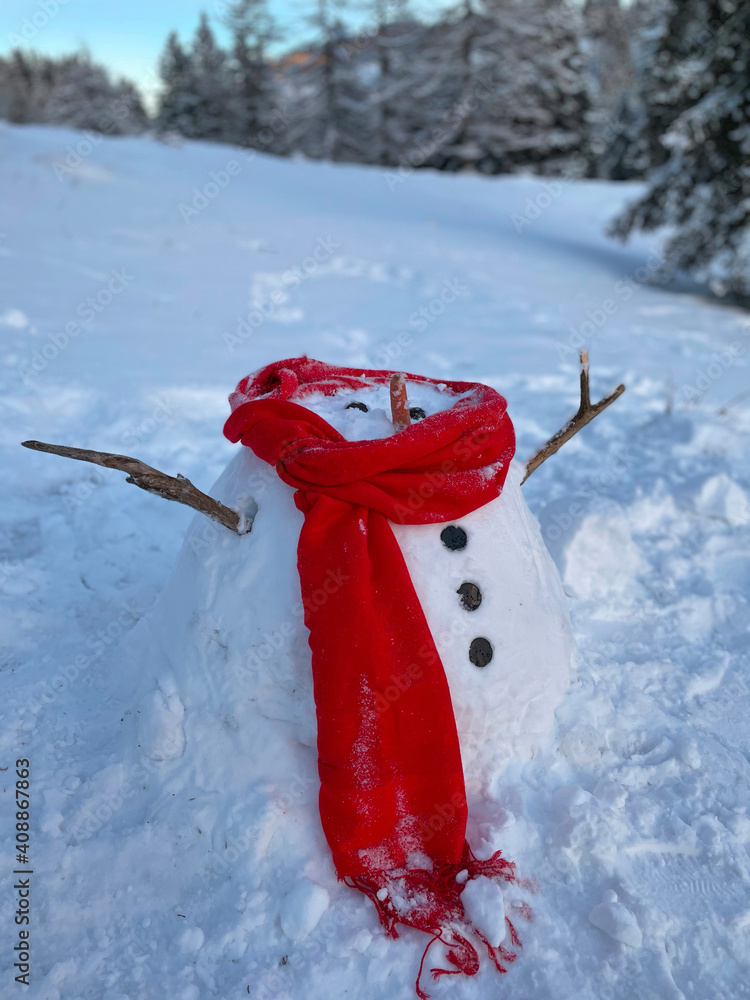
point(392, 798)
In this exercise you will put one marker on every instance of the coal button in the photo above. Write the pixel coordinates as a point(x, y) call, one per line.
point(453, 537)
point(480, 652)
point(471, 596)
point(356, 405)
point(417, 413)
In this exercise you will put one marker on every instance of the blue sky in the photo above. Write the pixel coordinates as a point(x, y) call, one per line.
point(127, 35)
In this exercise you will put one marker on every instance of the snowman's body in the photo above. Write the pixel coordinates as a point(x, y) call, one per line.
point(233, 702)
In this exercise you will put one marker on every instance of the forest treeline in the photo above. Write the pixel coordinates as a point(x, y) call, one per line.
point(658, 90)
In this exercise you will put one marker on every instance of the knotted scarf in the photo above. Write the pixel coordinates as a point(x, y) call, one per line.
point(392, 798)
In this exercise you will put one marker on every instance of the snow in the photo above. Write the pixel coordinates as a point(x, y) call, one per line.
point(161, 735)
point(301, 910)
point(147, 883)
point(616, 920)
point(484, 904)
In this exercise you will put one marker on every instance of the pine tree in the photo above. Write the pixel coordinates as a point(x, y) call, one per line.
point(252, 85)
point(609, 61)
point(196, 99)
point(652, 105)
point(465, 54)
point(391, 80)
point(19, 88)
point(695, 136)
point(611, 71)
point(211, 86)
point(547, 101)
point(84, 97)
point(177, 99)
point(514, 74)
point(405, 93)
point(332, 119)
point(68, 90)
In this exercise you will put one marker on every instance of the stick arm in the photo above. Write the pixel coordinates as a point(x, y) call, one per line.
point(586, 413)
point(176, 488)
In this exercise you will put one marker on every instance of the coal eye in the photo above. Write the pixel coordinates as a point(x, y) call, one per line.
point(356, 405)
point(417, 413)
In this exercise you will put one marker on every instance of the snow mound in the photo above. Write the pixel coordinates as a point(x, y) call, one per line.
point(616, 921)
point(723, 498)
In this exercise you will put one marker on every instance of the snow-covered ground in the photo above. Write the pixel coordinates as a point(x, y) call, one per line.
point(158, 257)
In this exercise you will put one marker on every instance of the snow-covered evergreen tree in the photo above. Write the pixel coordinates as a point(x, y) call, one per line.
point(329, 95)
point(538, 114)
point(609, 58)
point(211, 85)
point(610, 70)
point(196, 99)
point(392, 68)
point(69, 90)
point(83, 96)
point(460, 62)
point(17, 103)
point(22, 91)
point(177, 98)
point(647, 110)
point(694, 137)
point(512, 74)
point(253, 95)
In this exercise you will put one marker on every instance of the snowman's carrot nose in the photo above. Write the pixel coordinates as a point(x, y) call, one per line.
point(399, 402)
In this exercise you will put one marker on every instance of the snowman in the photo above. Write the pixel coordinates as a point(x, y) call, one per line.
point(345, 676)
point(390, 619)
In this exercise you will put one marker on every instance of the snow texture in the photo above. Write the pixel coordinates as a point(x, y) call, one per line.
point(484, 904)
point(616, 920)
point(171, 868)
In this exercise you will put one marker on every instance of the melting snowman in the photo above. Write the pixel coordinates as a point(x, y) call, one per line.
point(327, 696)
point(349, 677)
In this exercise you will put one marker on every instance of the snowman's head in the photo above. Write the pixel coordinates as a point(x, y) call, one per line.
point(356, 403)
point(365, 412)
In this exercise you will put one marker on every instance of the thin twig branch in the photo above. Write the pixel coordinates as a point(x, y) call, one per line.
point(399, 402)
point(176, 488)
point(586, 413)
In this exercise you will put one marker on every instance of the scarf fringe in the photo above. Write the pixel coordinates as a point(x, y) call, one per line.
point(430, 901)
